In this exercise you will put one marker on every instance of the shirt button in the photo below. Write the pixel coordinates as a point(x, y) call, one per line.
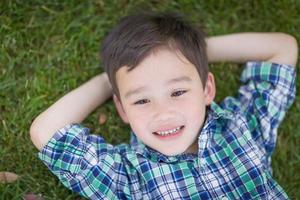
point(202, 161)
point(224, 198)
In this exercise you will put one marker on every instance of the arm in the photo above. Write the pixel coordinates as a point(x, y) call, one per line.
point(74, 107)
point(268, 89)
point(242, 47)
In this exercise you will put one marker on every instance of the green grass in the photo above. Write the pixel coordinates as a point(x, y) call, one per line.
point(49, 47)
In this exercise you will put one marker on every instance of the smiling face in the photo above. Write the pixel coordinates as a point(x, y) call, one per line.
point(164, 101)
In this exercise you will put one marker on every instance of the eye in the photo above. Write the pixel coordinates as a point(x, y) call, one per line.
point(141, 102)
point(178, 93)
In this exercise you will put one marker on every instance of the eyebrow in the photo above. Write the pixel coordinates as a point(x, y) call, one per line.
point(172, 81)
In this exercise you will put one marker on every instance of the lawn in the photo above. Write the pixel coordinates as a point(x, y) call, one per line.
point(50, 47)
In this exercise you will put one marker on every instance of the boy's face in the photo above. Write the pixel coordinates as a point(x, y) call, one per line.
point(164, 101)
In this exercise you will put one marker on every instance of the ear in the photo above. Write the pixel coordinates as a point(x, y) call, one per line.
point(120, 109)
point(210, 89)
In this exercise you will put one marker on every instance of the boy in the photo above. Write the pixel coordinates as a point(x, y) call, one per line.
point(183, 145)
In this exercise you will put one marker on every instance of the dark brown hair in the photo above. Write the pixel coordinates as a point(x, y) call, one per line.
point(136, 36)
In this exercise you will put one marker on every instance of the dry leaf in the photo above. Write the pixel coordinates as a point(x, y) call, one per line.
point(102, 118)
point(32, 196)
point(8, 177)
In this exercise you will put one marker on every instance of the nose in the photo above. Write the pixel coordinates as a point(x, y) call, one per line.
point(163, 111)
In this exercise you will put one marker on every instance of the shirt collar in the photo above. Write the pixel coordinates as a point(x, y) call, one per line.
point(216, 116)
point(214, 113)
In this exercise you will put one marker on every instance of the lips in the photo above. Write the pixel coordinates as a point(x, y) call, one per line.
point(169, 132)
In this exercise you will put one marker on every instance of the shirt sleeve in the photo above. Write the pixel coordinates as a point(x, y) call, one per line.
point(83, 162)
point(267, 92)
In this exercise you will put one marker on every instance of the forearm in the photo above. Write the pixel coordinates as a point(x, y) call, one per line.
point(242, 47)
point(74, 107)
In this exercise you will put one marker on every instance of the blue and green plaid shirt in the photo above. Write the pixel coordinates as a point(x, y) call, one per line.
point(233, 160)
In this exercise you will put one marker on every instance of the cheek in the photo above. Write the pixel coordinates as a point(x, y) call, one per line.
point(194, 109)
point(138, 120)
point(194, 112)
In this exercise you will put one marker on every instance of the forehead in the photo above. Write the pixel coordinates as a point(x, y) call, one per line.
point(163, 61)
point(156, 69)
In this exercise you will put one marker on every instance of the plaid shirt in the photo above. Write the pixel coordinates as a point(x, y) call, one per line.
point(233, 160)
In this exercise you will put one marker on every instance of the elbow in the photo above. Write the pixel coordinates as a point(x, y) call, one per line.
point(288, 49)
point(291, 44)
point(41, 131)
point(34, 132)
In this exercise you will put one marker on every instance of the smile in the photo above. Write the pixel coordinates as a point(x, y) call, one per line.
point(169, 132)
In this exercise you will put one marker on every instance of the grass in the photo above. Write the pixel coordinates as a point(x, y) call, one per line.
point(50, 47)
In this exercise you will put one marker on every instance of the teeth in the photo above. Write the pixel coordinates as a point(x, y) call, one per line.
point(168, 132)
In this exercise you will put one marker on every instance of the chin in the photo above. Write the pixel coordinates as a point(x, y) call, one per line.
point(172, 153)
